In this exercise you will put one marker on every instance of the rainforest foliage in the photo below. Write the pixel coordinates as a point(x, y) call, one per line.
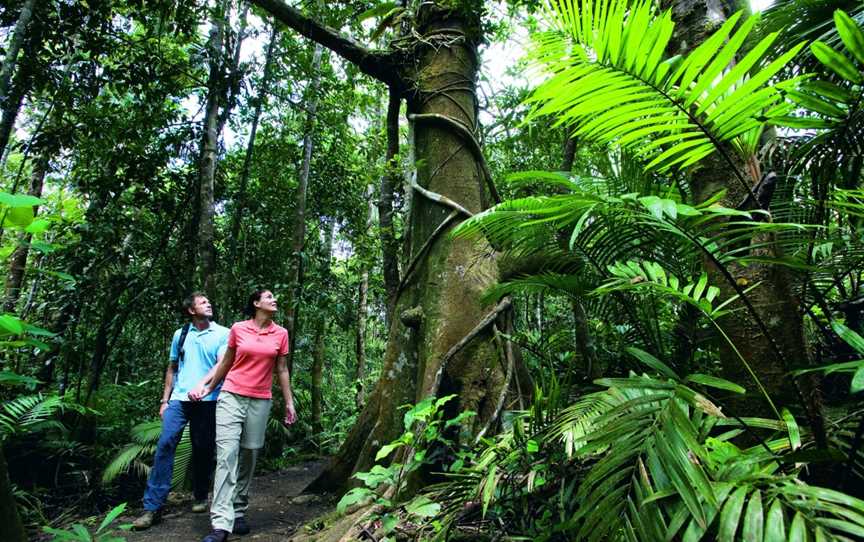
point(556, 270)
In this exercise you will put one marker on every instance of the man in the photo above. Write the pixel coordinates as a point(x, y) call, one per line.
point(204, 344)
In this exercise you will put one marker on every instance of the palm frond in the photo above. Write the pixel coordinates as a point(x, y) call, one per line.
point(609, 79)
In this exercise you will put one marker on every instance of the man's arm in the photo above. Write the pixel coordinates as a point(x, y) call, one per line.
point(285, 383)
point(214, 376)
point(167, 388)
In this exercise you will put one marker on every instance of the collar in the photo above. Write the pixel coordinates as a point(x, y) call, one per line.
point(250, 324)
point(210, 327)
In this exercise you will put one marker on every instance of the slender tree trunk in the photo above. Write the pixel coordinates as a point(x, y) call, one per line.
point(362, 307)
point(240, 204)
point(320, 334)
point(11, 528)
point(233, 74)
point(18, 261)
point(299, 235)
point(15, 44)
point(582, 334)
point(12, 105)
point(209, 151)
point(389, 245)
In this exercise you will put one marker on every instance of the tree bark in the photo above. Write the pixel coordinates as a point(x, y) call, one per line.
point(12, 105)
point(770, 331)
point(441, 335)
point(240, 204)
point(318, 348)
point(18, 261)
point(298, 238)
point(209, 150)
point(435, 347)
point(362, 308)
point(15, 44)
point(11, 528)
point(389, 245)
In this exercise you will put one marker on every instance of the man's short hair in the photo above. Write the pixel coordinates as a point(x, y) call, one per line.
point(189, 302)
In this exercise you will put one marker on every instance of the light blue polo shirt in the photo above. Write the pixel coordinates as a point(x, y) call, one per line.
point(201, 352)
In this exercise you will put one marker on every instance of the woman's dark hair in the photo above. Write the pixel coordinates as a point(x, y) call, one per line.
point(249, 309)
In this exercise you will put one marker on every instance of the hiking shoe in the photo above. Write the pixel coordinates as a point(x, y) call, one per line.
point(240, 526)
point(218, 535)
point(146, 520)
point(199, 506)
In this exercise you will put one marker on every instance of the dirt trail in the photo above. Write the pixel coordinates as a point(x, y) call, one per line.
point(275, 510)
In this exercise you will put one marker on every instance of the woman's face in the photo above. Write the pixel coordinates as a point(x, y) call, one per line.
point(267, 303)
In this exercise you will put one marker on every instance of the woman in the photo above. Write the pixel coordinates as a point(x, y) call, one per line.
point(255, 347)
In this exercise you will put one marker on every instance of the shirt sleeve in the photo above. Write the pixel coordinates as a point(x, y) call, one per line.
point(175, 347)
point(283, 344)
point(232, 338)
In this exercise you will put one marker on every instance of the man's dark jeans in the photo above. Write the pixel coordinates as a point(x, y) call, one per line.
point(201, 416)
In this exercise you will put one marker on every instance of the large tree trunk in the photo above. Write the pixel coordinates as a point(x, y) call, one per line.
point(298, 239)
point(18, 261)
point(768, 330)
point(240, 202)
point(11, 528)
point(441, 339)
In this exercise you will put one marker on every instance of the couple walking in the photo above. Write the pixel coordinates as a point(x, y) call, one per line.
point(232, 422)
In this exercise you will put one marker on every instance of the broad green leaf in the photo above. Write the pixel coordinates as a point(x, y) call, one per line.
point(377, 11)
point(731, 514)
point(775, 527)
point(851, 35)
point(19, 216)
point(10, 325)
point(19, 200)
point(423, 507)
point(716, 382)
point(753, 519)
point(356, 495)
point(857, 380)
point(38, 226)
point(837, 62)
point(386, 449)
point(652, 362)
point(798, 529)
point(851, 337)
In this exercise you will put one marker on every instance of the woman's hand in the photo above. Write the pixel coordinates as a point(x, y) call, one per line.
point(163, 408)
point(290, 414)
point(200, 392)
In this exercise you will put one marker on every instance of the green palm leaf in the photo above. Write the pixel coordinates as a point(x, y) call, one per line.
point(610, 80)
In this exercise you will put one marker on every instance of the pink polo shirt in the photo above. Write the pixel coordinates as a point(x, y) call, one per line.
point(255, 355)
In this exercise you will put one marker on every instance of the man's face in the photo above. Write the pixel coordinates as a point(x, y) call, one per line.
point(201, 308)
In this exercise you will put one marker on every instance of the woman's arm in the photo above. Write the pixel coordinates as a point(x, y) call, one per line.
point(285, 383)
point(214, 376)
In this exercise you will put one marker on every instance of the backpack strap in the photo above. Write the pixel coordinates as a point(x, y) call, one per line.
point(182, 346)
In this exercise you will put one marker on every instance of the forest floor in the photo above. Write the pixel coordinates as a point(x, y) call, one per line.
point(277, 511)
